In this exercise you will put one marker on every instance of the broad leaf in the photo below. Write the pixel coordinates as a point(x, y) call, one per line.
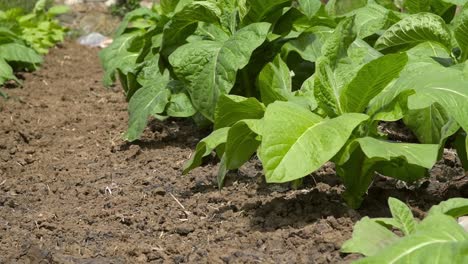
point(185, 22)
point(371, 79)
point(342, 7)
point(417, 6)
point(308, 45)
point(260, 10)
point(14, 52)
point(414, 30)
point(274, 81)
point(205, 147)
point(307, 137)
point(6, 72)
point(209, 68)
point(147, 101)
point(437, 238)
point(461, 33)
point(369, 238)
point(233, 108)
point(241, 143)
point(309, 7)
point(402, 215)
point(454, 207)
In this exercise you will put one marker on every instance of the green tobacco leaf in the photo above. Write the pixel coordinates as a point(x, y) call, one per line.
point(6, 72)
point(358, 162)
point(370, 19)
point(58, 10)
point(147, 101)
point(180, 106)
point(260, 10)
point(402, 215)
point(241, 143)
point(308, 45)
point(414, 30)
point(19, 53)
point(437, 238)
point(342, 7)
point(417, 6)
point(371, 79)
point(456, 2)
point(461, 145)
point(118, 56)
point(233, 108)
point(307, 137)
point(205, 147)
point(185, 22)
point(454, 207)
point(430, 124)
point(369, 238)
point(209, 68)
point(274, 81)
point(461, 33)
point(309, 7)
point(336, 46)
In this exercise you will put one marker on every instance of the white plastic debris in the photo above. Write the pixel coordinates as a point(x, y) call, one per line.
point(95, 40)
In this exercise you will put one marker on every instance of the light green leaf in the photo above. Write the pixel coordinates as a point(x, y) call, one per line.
point(260, 10)
point(454, 207)
point(147, 101)
point(274, 81)
point(402, 215)
point(6, 72)
point(308, 45)
point(118, 57)
point(185, 22)
point(417, 6)
point(342, 7)
point(19, 53)
point(456, 2)
point(309, 7)
point(369, 238)
point(180, 106)
point(205, 147)
point(371, 79)
point(233, 108)
point(58, 10)
point(307, 137)
point(437, 239)
point(241, 143)
point(209, 68)
point(336, 46)
point(413, 30)
point(461, 33)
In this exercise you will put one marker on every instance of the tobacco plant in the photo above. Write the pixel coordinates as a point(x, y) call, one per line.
point(300, 83)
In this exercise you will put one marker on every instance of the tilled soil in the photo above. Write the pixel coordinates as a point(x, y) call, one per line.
point(71, 191)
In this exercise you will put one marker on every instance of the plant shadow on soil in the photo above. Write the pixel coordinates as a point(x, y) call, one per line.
point(71, 191)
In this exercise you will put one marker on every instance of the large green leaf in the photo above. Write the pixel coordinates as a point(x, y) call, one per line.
point(14, 52)
point(417, 6)
point(241, 142)
point(461, 33)
point(6, 72)
point(342, 7)
point(274, 81)
point(308, 45)
point(358, 162)
point(455, 207)
point(336, 46)
point(307, 141)
point(205, 147)
point(413, 30)
point(309, 7)
point(233, 108)
point(185, 22)
point(209, 68)
point(437, 239)
point(118, 56)
point(369, 238)
point(147, 101)
point(371, 79)
point(402, 215)
point(260, 10)
point(370, 19)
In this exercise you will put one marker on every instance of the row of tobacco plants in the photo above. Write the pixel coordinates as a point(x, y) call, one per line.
point(25, 37)
point(301, 83)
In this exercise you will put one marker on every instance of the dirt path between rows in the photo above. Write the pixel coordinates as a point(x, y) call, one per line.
point(71, 191)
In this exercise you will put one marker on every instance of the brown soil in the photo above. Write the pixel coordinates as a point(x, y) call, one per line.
point(71, 191)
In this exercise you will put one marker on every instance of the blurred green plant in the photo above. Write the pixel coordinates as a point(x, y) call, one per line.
point(26, 5)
